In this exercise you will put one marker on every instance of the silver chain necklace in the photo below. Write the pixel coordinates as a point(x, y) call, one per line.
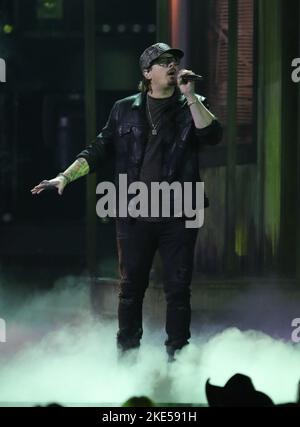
point(154, 127)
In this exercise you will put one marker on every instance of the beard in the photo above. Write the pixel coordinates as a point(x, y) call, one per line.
point(172, 78)
point(172, 81)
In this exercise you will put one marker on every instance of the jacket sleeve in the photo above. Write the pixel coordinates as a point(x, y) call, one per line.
point(103, 147)
point(211, 134)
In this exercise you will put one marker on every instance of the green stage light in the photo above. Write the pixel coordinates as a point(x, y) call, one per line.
point(8, 29)
point(50, 9)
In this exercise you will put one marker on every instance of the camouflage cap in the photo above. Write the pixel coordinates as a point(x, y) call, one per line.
point(155, 51)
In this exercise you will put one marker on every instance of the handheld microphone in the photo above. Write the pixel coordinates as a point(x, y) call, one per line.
point(190, 78)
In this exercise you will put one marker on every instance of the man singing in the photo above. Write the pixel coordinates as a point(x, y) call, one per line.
point(154, 136)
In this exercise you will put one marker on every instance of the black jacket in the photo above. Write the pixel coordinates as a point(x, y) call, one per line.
point(125, 136)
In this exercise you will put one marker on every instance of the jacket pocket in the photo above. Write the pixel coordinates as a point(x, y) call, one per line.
point(124, 139)
point(124, 129)
point(131, 139)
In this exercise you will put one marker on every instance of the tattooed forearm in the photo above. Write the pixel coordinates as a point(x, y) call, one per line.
point(77, 169)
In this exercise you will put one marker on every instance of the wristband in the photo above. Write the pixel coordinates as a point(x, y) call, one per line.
point(192, 102)
point(65, 176)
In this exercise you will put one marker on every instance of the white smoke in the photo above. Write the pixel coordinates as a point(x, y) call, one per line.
point(58, 351)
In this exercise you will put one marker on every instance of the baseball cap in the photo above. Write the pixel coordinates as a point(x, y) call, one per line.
point(155, 51)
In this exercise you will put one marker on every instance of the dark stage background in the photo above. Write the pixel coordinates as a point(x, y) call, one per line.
point(251, 177)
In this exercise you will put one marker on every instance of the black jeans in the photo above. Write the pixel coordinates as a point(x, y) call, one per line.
point(137, 243)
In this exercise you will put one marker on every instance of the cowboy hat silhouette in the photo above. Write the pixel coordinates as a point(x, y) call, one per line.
point(238, 391)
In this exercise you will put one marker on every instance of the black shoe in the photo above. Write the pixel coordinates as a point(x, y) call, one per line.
point(128, 356)
point(171, 358)
point(171, 354)
point(171, 350)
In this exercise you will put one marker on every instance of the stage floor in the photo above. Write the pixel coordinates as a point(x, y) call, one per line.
point(60, 343)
